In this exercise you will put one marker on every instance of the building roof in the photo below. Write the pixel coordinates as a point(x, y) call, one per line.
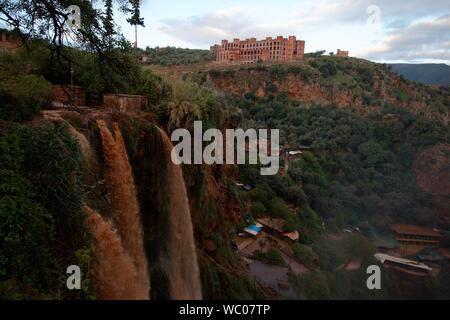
point(415, 230)
point(253, 229)
point(385, 257)
point(294, 235)
point(273, 223)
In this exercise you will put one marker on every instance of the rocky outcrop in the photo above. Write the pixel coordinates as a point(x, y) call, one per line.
point(347, 89)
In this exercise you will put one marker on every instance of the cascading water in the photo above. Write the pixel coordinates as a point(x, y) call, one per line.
point(122, 190)
point(114, 273)
point(180, 262)
point(85, 147)
point(120, 270)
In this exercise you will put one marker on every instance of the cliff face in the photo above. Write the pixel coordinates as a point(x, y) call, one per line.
point(215, 214)
point(355, 83)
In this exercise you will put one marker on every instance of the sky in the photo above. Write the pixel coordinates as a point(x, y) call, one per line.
point(414, 31)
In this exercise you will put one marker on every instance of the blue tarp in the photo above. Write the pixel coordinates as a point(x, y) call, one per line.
point(254, 228)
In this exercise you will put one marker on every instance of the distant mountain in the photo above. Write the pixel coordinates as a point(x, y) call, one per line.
point(428, 73)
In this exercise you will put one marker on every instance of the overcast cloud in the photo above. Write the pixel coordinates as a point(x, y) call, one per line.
point(411, 31)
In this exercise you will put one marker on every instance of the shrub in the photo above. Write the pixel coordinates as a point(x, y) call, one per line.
point(154, 87)
point(328, 69)
point(278, 208)
point(258, 209)
point(26, 228)
point(278, 71)
point(311, 224)
point(303, 254)
point(312, 285)
point(41, 221)
point(294, 69)
point(250, 96)
point(23, 96)
point(358, 246)
point(271, 88)
point(272, 256)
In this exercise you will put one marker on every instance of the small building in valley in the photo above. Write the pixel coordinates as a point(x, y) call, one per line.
point(293, 236)
point(402, 264)
point(275, 227)
point(407, 234)
point(253, 229)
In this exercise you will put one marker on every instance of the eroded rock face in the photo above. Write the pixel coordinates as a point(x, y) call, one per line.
point(432, 167)
point(261, 83)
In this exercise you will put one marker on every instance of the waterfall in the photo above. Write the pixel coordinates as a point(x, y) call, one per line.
point(115, 275)
point(124, 207)
point(85, 147)
point(180, 262)
point(120, 268)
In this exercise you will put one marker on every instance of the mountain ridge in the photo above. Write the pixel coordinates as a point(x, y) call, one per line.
point(426, 73)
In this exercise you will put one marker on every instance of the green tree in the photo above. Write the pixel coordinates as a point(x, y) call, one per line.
point(23, 96)
point(312, 285)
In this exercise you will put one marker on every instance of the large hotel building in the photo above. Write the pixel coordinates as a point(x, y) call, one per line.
point(252, 50)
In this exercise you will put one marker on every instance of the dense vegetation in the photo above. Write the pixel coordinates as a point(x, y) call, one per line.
point(359, 168)
point(175, 56)
point(41, 229)
point(356, 172)
point(369, 84)
point(26, 77)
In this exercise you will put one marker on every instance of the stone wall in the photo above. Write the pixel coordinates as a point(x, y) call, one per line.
point(68, 95)
point(125, 102)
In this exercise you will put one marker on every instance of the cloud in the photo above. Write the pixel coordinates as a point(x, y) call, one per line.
point(208, 28)
point(408, 29)
point(427, 40)
point(351, 11)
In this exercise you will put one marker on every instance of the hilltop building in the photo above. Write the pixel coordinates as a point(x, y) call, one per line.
point(341, 53)
point(251, 50)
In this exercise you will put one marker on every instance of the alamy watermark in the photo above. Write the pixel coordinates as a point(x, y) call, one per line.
point(374, 17)
point(73, 20)
point(74, 280)
point(261, 148)
point(373, 282)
